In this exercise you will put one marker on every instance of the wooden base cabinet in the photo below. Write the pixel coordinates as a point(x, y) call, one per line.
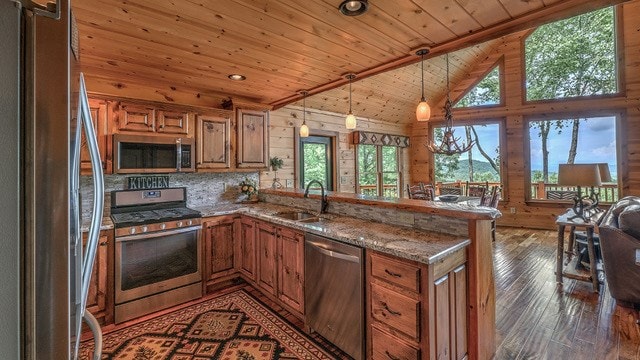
point(417, 311)
point(280, 270)
point(247, 250)
point(100, 301)
point(219, 248)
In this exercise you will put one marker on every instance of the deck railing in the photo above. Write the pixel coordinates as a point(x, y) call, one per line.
point(372, 190)
point(608, 192)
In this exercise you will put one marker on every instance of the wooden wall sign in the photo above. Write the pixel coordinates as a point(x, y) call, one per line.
point(371, 138)
point(148, 182)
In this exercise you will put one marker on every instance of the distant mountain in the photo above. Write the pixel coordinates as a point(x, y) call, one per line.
point(479, 167)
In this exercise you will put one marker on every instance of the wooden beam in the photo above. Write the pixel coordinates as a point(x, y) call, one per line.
point(558, 11)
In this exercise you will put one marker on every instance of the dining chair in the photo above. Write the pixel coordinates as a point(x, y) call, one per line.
point(420, 192)
point(495, 199)
point(476, 191)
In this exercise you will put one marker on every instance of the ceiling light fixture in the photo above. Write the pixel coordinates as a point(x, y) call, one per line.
point(237, 77)
point(304, 129)
point(449, 144)
point(353, 7)
point(423, 111)
point(350, 122)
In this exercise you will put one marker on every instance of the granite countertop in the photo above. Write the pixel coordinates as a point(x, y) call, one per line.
point(408, 243)
point(106, 224)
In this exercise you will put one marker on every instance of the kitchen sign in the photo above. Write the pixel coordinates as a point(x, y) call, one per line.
point(147, 182)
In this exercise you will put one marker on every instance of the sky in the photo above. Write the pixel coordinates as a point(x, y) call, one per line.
point(489, 136)
point(596, 144)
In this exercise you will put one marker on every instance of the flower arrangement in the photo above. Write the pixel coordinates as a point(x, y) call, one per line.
point(248, 187)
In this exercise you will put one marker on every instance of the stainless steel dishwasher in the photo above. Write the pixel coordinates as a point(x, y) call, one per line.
point(334, 292)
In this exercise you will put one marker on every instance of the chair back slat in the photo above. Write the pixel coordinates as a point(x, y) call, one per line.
point(446, 190)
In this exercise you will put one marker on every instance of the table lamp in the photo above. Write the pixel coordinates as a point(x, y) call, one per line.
point(579, 175)
point(605, 177)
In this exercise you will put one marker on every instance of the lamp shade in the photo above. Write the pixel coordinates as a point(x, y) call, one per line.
point(423, 111)
point(304, 130)
point(350, 122)
point(605, 174)
point(579, 175)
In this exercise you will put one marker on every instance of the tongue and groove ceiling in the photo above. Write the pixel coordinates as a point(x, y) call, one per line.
point(283, 46)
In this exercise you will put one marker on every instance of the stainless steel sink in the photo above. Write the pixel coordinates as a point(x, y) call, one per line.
point(301, 216)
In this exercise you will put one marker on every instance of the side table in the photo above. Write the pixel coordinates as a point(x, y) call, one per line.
point(588, 225)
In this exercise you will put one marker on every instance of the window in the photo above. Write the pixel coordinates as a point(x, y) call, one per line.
point(316, 161)
point(486, 92)
point(378, 170)
point(571, 140)
point(479, 165)
point(572, 57)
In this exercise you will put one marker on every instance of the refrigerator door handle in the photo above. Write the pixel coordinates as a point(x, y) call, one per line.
point(88, 260)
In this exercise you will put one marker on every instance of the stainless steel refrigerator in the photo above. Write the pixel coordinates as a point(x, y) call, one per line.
point(45, 109)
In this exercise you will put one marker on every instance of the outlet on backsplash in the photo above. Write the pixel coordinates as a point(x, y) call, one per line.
point(289, 183)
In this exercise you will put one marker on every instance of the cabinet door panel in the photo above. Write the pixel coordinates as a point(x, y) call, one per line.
point(99, 116)
point(443, 318)
point(253, 138)
point(173, 122)
point(134, 117)
point(219, 246)
point(248, 248)
point(460, 303)
point(97, 298)
point(266, 238)
point(214, 142)
point(291, 268)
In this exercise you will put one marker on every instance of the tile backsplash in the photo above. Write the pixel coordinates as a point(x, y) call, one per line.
point(202, 188)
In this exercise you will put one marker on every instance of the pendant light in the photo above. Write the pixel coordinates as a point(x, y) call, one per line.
point(449, 144)
point(304, 129)
point(350, 122)
point(423, 111)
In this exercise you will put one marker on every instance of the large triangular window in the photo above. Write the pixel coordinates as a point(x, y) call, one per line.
point(486, 92)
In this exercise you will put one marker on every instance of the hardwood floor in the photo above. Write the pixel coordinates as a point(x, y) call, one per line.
point(537, 319)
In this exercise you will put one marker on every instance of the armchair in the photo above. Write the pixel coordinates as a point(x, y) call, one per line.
point(620, 245)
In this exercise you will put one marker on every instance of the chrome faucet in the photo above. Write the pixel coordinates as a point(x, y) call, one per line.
point(324, 202)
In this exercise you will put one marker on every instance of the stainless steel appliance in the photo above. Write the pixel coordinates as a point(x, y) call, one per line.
point(51, 111)
point(334, 292)
point(153, 154)
point(158, 242)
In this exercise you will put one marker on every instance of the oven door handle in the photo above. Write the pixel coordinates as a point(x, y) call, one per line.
point(158, 234)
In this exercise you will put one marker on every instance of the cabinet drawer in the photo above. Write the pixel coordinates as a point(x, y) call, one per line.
point(395, 310)
point(388, 347)
point(395, 272)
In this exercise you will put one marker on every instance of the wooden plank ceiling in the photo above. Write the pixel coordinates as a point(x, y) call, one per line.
point(282, 46)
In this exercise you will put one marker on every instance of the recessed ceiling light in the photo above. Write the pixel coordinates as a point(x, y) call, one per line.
point(237, 77)
point(353, 7)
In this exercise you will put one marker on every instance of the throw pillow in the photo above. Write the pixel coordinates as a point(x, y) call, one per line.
point(622, 204)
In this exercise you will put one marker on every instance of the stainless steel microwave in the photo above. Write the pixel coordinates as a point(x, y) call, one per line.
point(152, 154)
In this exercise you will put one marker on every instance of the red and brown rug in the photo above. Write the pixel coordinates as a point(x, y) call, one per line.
point(235, 326)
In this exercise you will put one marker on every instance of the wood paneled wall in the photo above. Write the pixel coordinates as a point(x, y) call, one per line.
point(284, 124)
point(516, 110)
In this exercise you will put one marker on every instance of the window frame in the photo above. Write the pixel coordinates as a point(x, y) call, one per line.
point(333, 136)
point(620, 65)
point(504, 170)
point(621, 149)
point(379, 170)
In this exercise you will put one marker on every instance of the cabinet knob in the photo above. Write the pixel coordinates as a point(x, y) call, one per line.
point(104, 243)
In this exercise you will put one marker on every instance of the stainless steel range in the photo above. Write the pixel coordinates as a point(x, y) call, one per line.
point(158, 241)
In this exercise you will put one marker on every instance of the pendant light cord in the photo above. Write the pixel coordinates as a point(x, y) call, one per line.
point(350, 78)
point(304, 108)
point(448, 76)
point(422, 76)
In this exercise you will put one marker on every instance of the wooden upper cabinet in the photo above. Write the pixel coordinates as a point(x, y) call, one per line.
point(99, 115)
point(213, 140)
point(172, 122)
point(136, 117)
point(253, 138)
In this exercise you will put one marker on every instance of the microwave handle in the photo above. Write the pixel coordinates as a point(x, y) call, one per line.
point(179, 154)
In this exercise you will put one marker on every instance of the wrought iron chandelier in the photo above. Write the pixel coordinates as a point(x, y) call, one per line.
point(449, 144)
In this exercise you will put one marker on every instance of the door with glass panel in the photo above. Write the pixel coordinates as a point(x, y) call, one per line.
point(378, 170)
point(316, 161)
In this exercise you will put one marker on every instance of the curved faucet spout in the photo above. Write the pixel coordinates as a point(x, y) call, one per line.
point(324, 203)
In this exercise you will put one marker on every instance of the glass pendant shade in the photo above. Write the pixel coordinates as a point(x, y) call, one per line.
point(423, 111)
point(304, 130)
point(350, 122)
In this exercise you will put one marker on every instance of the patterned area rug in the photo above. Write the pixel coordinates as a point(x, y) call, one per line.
point(234, 326)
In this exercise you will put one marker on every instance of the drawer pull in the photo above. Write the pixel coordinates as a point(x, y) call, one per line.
point(392, 273)
point(104, 243)
point(390, 356)
point(386, 307)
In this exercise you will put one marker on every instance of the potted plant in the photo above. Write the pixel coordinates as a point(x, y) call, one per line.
point(276, 164)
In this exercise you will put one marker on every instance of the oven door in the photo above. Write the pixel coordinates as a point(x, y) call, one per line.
point(148, 264)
